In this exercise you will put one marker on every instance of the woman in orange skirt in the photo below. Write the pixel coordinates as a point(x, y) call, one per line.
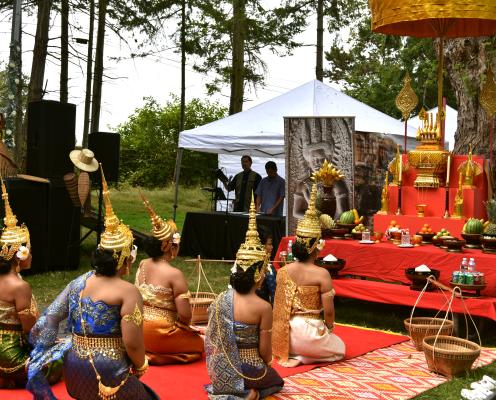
point(167, 314)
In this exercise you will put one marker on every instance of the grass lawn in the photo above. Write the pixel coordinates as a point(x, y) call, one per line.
point(128, 206)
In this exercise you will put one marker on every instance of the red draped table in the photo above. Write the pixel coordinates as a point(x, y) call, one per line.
point(387, 262)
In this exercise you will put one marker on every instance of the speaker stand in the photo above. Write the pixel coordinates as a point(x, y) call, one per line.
point(99, 223)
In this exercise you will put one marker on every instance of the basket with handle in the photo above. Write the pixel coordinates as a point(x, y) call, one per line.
point(200, 301)
point(420, 327)
point(450, 355)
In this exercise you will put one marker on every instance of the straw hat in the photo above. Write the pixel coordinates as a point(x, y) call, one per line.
point(84, 159)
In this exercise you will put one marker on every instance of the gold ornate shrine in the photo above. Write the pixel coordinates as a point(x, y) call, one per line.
point(429, 158)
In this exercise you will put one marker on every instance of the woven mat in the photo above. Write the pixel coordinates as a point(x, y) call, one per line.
point(398, 372)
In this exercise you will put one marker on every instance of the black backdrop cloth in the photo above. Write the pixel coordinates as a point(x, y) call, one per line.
point(218, 235)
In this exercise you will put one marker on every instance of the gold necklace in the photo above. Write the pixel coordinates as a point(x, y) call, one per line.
point(104, 392)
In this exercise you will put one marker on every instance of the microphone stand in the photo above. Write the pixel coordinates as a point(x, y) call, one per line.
point(446, 203)
point(227, 197)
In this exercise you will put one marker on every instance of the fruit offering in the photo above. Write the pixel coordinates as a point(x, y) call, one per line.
point(358, 218)
point(473, 226)
point(441, 233)
point(393, 227)
point(490, 225)
point(359, 228)
point(326, 222)
point(347, 217)
point(425, 229)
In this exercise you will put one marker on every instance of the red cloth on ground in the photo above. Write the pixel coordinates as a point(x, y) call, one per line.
point(186, 381)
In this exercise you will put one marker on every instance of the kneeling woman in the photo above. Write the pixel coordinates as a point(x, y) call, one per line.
point(238, 339)
point(18, 311)
point(300, 335)
point(167, 313)
point(105, 356)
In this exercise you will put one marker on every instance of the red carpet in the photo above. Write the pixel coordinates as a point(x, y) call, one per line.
point(184, 382)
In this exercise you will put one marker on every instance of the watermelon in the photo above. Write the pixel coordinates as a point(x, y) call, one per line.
point(348, 217)
point(473, 225)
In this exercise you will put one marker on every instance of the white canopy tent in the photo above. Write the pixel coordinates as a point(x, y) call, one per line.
point(259, 131)
point(451, 124)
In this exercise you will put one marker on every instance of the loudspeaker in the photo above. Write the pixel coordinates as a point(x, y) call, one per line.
point(52, 220)
point(51, 137)
point(106, 146)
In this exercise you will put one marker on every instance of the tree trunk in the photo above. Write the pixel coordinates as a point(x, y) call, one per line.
point(35, 89)
point(183, 65)
point(14, 79)
point(98, 78)
point(466, 62)
point(64, 51)
point(319, 70)
point(238, 52)
point(89, 75)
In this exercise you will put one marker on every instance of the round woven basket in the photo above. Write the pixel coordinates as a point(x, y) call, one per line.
point(421, 327)
point(199, 302)
point(450, 356)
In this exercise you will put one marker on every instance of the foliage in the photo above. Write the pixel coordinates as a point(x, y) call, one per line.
point(209, 37)
point(371, 66)
point(149, 143)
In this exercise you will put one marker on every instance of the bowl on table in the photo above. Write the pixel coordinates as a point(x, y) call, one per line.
point(333, 267)
point(338, 233)
point(426, 237)
point(439, 240)
point(326, 233)
point(419, 278)
point(488, 243)
point(454, 245)
point(357, 235)
point(473, 240)
point(348, 227)
point(445, 239)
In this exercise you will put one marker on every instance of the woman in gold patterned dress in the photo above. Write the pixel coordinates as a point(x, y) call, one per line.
point(105, 355)
point(238, 338)
point(304, 290)
point(167, 314)
point(18, 311)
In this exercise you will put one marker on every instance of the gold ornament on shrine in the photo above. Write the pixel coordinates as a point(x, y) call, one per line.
point(468, 170)
point(385, 196)
point(458, 206)
point(406, 100)
point(429, 158)
point(396, 168)
point(327, 174)
point(488, 94)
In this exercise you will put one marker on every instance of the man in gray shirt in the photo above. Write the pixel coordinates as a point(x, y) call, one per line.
point(270, 192)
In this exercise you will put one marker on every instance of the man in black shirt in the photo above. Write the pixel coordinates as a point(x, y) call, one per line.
point(243, 184)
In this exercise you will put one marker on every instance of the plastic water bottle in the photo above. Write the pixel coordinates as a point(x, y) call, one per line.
point(471, 265)
point(290, 257)
point(464, 265)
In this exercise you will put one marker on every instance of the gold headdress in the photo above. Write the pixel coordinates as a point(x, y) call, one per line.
point(252, 250)
point(161, 230)
point(116, 236)
point(13, 236)
point(308, 228)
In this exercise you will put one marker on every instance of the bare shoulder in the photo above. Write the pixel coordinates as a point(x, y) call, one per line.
point(21, 287)
point(263, 305)
point(128, 289)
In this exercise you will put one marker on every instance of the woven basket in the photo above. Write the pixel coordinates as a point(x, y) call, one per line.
point(199, 302)
point(71, 184)
point(83, 186)
point(451, 356)
point(421, 327)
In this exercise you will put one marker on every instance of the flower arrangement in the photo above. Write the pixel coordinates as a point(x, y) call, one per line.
point(327, 174)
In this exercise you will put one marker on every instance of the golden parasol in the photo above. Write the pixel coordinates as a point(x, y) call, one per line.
point(435, 18)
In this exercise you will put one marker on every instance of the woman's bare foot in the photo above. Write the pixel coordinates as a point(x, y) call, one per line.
point(253, 395)
point(290, 363)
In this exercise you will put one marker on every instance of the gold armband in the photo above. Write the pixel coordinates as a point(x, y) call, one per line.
point(186, 295)
point(136, 317)
point(31, 311)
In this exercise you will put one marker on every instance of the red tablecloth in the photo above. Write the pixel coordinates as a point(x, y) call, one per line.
point(381, 292)
point(387, 262)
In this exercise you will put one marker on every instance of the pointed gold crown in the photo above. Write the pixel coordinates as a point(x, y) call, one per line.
point(13, 236)
point(161, 230)
point(252, 250)
point(116, 236)
point(430, 131)
point(309, 226)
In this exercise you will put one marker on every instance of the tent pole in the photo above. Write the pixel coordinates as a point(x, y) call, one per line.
point(177, 171)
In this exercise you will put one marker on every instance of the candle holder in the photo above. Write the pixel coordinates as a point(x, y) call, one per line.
point(421, 209)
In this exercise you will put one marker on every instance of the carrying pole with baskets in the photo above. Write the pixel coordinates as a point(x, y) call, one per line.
point(200, 301)
point(445, 354)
